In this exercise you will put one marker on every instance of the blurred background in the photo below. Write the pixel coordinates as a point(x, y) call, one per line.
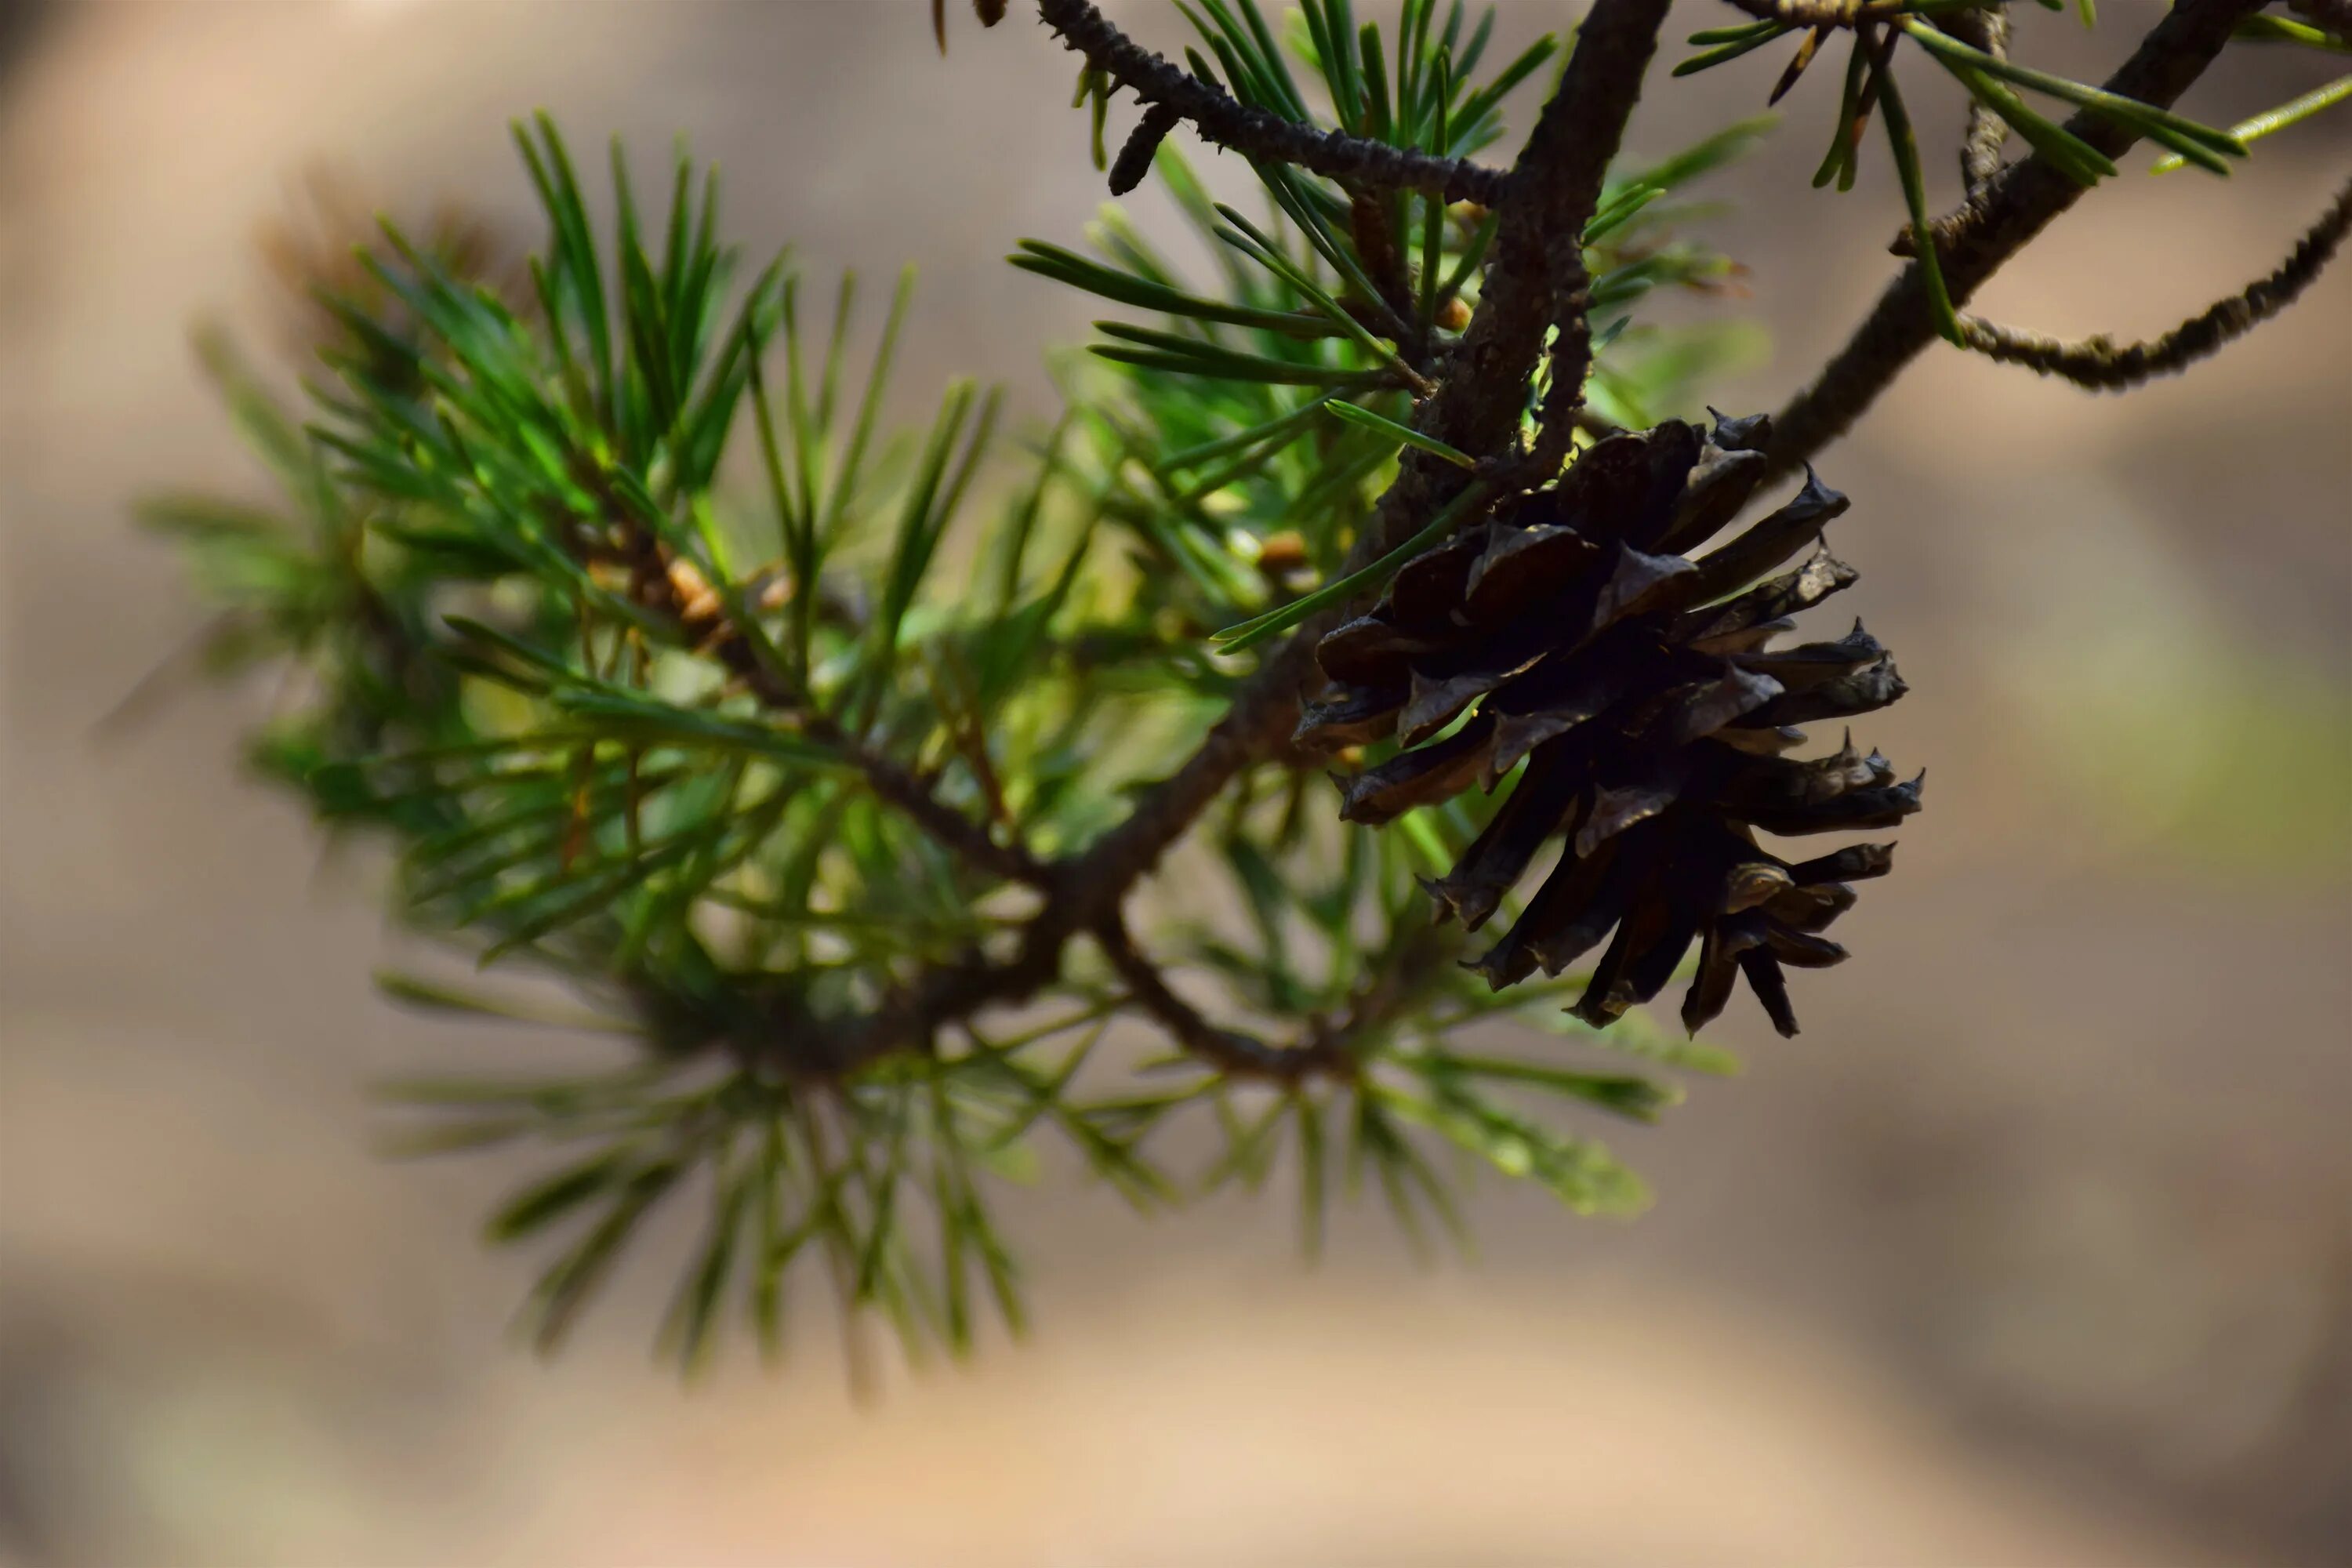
point(2036, 1248)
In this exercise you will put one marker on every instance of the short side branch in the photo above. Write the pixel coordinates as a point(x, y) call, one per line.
point(1224, 120)
point(910, 795)
point(2098, 363)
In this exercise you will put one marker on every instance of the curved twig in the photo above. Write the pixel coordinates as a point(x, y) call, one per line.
point(2098, 363)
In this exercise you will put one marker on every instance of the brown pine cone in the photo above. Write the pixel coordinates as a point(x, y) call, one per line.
point(1576, 630)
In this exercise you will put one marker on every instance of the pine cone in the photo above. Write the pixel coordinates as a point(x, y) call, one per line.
point(1639, 685)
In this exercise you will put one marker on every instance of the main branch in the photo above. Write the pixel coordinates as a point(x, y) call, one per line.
point(1538, 278)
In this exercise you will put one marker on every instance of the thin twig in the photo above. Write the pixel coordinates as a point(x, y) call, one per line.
point(911, 795)
point(2098, 363)
point(1228, 1050)
point(1226, 122)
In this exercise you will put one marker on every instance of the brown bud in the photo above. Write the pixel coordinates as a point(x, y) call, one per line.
point(1281, 553)
point(696, 603)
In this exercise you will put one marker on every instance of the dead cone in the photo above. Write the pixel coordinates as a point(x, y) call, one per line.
point(1578, 630)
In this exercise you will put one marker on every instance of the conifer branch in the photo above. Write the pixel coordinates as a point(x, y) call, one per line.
point(2021, 200)
point(1557, 183)
point(780, 840)
point(1230, 1052)
point(2098, 363)
point(1224, 121)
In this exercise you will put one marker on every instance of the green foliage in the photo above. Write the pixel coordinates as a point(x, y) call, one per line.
point(669, 672)
point(629, 721)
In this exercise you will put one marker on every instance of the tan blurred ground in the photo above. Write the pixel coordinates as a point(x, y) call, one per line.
point(2032, 1250)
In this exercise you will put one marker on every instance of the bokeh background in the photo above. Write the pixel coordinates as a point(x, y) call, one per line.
point(2036, 1248)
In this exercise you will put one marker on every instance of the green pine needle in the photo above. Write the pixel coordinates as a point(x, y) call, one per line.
point(1905, 148)
point(1248, 634)
point(1364, 418)
point(2292, 112)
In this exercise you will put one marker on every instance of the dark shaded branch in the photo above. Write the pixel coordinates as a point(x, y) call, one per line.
point(1571, 362)
point(1332, 1047)
point(1539, 261)
point(1228, 1050)
point(2021, 200)
point(1134, 160)
point(1385, 263)
point(2098, 363)
point(1227, 123)
point(909, 1017)
point(1264, 711)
